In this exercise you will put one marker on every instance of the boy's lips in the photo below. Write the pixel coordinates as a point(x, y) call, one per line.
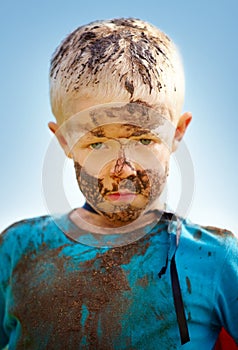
point(123, 196)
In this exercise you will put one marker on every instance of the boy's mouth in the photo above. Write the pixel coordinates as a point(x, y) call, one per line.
point(124, 196)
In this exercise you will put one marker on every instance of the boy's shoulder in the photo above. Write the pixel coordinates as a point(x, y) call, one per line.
point(209, 239)
point(29, 238)
point(32, 224)
point(200, 232)
point(218, 231)
point(197, 231)
point(26, 232)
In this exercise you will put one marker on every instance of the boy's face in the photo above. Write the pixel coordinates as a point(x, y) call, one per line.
point(121, 168)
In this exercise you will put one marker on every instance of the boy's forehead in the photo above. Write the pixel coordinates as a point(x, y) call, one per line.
point(116, 120)
point(89, 108)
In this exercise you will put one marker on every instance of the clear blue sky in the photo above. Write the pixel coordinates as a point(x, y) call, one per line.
point(206, 33)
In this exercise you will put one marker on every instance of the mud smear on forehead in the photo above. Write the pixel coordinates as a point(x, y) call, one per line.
point(135, 114)
point(67, 302)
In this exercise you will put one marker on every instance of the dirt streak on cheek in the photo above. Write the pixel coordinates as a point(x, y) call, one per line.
point(144, 182)
point(149, 183)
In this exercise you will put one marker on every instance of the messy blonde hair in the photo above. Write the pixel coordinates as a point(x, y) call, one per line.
point(121, 60)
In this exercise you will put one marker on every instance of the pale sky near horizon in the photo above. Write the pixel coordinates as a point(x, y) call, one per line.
point(206, 34)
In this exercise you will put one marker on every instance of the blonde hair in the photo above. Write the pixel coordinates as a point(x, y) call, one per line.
point(121, 60)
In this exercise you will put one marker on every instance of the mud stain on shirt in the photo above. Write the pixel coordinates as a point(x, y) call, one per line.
point(74, 303)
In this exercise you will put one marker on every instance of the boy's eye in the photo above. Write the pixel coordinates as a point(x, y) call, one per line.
point(96, 145)
point(145, 141)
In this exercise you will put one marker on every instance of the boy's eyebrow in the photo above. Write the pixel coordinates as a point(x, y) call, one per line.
point(135, 133)
point(98, 133)
point(140, 132)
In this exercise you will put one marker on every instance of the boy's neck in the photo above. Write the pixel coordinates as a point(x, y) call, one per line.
point(87, 216)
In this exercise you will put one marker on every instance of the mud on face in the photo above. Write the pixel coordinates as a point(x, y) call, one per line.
point(148, 183)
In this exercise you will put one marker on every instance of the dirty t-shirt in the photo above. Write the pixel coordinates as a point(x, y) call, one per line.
point(56, 293)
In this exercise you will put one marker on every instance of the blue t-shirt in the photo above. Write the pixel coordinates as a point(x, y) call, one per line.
point(56, 293)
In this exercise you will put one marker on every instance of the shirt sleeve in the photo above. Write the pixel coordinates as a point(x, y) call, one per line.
point(227, 290)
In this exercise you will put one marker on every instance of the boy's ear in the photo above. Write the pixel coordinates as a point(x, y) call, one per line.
point(182, 125)
point(55, 129)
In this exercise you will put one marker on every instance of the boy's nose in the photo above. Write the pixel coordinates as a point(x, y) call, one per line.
point(123, 168)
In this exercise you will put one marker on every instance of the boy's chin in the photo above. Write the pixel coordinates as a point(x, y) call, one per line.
point(121, 213)
point(121, 218)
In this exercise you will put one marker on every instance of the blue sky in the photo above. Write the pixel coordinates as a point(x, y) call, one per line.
point(205, 32)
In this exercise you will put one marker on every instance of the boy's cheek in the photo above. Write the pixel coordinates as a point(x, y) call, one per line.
point(147, 184)
point(80, 155)
point(162, 154)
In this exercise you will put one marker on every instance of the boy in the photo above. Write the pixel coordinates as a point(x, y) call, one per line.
point(118, 273)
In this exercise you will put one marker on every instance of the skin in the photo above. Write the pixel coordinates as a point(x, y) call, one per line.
point(120, 188)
